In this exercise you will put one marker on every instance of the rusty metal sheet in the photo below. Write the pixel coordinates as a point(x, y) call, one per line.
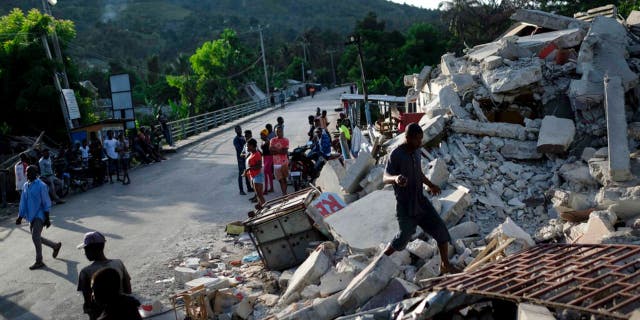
point(602, 280)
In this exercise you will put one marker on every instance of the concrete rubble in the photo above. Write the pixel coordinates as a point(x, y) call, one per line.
point(531, 139)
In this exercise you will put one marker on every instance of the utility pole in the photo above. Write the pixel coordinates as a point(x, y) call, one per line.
point(355, 39)
point(333, 69)
point(56, 81)
point(264, 62)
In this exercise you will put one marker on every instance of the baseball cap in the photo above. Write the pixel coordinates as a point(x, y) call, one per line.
point(91, 238)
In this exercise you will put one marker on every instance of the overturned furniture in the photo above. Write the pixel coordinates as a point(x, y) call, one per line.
point(282, 230)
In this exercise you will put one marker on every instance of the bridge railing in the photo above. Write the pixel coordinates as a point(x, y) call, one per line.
point(184, 128)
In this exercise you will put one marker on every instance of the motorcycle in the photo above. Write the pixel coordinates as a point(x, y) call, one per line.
point(74, 177)
point(301, 168)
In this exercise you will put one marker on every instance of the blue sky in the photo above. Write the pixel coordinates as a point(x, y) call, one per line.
point(427, 4)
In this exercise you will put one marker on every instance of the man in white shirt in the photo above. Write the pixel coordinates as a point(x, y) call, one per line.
point(47, 176)
point(111, 149)
point(84, 152)
point(20, 170)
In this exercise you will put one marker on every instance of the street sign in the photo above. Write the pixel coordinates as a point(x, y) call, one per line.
point(72, 104)
point(121, 101)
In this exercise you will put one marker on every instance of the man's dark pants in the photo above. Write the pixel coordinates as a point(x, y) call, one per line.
point(38, 240)
point(427, 218)
point(241, 169)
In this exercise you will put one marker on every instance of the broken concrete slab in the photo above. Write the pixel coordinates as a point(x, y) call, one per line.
point(430, 269)
point(477, 110)
point(309, 272)
point(528, 311)
point(283, 280)
point(624, 201)
point(464, 230)
point(577, 173)
point(369, 282)
point(334, 281)
point(492, 129)
point(520, 150)
point(431, 129)
point(421, 249)
point(603, 51)
point(562, 39)
point(491, 62)
point(462, 82)
point(454, 202)
point(445, 102)
point(397, 290)
point(556, 135)
point(330, 175)
point(547, 20)
point(619, 162)
point(373, 180)
point(356, 172)
point(448, 64)
point(367, 222)
point(311, 291)
point(509, 78)
point(438, 173)
point(599, 226)
point(320, 309)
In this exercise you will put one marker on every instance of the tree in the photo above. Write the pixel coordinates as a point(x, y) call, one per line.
point(30, 99)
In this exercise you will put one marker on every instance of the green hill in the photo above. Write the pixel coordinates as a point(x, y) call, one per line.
point(131, 31)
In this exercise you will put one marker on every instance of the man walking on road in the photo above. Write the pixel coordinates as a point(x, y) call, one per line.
point(93, 246)
point(279, 147)
point(413, 209)
point(34, 207)
point(238, 143)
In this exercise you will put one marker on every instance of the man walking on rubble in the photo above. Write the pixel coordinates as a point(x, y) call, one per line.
point(413, 209)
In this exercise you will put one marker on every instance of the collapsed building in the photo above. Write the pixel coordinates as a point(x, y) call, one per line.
point(533, 140)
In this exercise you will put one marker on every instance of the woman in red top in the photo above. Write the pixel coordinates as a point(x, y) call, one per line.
point(254, 170)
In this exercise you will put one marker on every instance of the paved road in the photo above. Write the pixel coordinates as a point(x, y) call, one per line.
point(164, 204)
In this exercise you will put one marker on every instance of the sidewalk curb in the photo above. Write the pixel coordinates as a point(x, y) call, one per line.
point(225, 127)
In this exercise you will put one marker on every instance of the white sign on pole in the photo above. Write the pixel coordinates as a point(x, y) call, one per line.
point(72, 104)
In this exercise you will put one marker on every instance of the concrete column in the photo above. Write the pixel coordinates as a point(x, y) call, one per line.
point(619, 164)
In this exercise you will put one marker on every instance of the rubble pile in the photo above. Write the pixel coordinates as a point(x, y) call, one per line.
point(531, 138)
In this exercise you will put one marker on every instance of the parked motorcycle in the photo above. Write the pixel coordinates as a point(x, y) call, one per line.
point(301, 168)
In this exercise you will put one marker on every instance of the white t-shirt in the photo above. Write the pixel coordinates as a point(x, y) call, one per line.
point(110, 147)
point(85, 152)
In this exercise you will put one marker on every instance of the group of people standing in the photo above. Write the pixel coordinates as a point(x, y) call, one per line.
point(259, 165)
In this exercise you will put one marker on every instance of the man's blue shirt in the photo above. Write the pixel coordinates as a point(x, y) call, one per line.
point(34, 201)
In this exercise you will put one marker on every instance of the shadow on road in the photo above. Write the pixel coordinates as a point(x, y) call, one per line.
point(72, 271)
point(11, 310)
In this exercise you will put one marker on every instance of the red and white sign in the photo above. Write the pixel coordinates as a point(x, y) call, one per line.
point(328, 203)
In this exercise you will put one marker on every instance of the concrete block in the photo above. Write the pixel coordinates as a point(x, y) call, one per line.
point(401, 258)
point(462, 82)
point(556, 135)
point(520, 150)
point(430, 269)
point(320, 309)
point(396, 290)
point(209, 283)
point(448, 64)
point(510, 78)
point(603, 51)
point(184, 275)
point(510, 229)
point(356, 172)
point(366, 223)
point(587, 154)
point(454, 202)
point(624, 201)
point(445, 102)
point(421, 249)
point(432, 127)
point(464, 230)
point(438, 172)
point(547, 20)
point(619, 163)
point(369, 282)
point(309, 272)
point(373, 180)
point(334, 281)
point(311, 291)
point(283, 280)
point(269, 300)
point(330, 175)
point(577, 173)
point(528, 311)
point(599, 226)
point(491, 129)
point(491, 62)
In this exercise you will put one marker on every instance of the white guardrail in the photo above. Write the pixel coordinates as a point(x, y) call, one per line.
point(184, 128)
